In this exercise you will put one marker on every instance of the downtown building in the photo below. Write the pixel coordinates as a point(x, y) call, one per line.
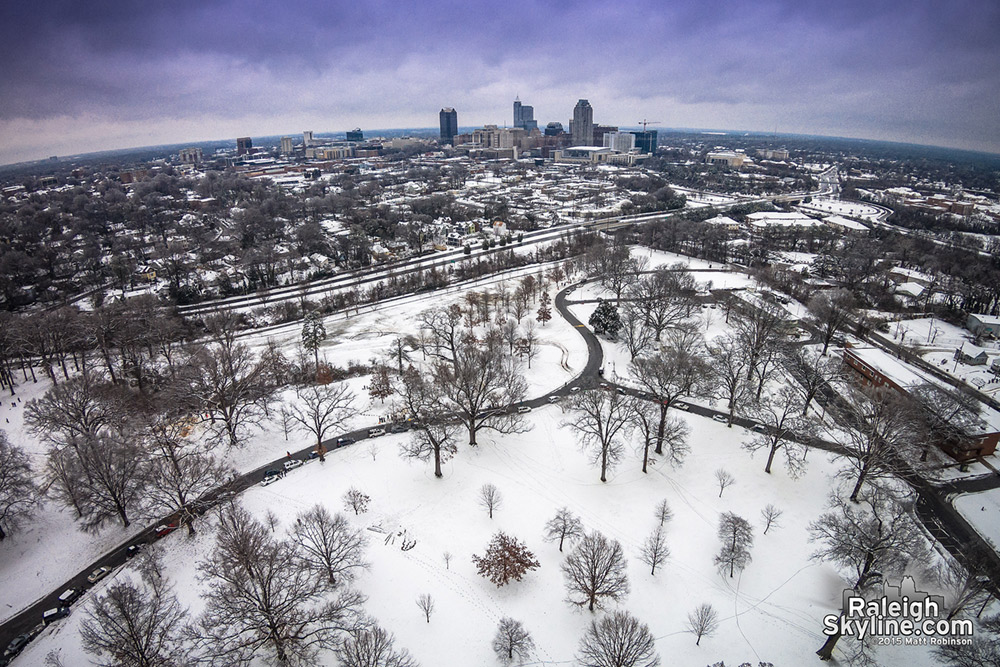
point(449, 125)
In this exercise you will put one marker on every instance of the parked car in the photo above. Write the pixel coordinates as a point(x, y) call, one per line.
point(98, 574)
point(523, 408)
point(54, 614)
point(573, 390)
point(554, 399)
point(134, 550)
point(17, 645)
point(270, 477)
point(620, 390)
point(292, 464)
point(760, 428)
point(399, 428)
point(682, 406)
point(68, 597)
point(375, 432)
point(720, 418)
point(164, 529)
point(343, 442)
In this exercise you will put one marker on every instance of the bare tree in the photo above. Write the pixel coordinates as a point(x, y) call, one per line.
point(180, 472)
point(321, 407)
point(600, 418)
point(134, 624)
point(663, 513)
point(433, 436)
point(673, 439)
point(730, 370)
point(372, 646)
point(664, 298)
point(481, 380)
point(490, 497)
point(259, 600)
point(831, 311)
point(880, 426)
point(679, 371)
point(724, 479)
point(595, 571)
point(18, 493)
point(813, 372)
point(634, 333)
point(356, 500)
point(703, 622)
point(447, 559)
point(781, 416)
point(230, 384)
point(102, 476)
point(564, 525)
point(328, 545)
point(512, 640)
point(618, 640)
point(506, 558)
point(443, 325)
point(968, 585)
point(873, 538)
point(527, 344)
point(654, 550)
point(426, 604)
point(736, 534)
point(771, 516)
point(759, 327)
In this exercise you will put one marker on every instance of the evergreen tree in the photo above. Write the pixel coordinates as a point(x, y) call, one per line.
point(544, 309)
point(313, 333)
point(605, 320)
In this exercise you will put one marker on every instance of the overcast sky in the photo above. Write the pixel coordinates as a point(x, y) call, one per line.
point(83, 76)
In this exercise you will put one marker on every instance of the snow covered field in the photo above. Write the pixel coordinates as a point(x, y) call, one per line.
point(771, 612)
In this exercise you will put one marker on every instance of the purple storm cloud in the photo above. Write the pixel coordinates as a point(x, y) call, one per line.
point(80, 76)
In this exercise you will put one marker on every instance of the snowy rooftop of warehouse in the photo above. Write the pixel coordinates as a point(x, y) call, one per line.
point(846, 223)
point(781, 219)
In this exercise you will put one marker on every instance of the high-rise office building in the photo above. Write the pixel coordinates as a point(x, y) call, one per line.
point(307, 138)
point(524, 116)
point(355, 135)
point(622, 142)
point(553, 129)
point(583, 124)
point(243, 145)
point(449, 125)
point(646, 141)
point(286, 146)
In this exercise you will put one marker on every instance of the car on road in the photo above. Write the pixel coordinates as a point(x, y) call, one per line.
point(620, 390)
point(98, 574)
point(375, 432)
point(573, 390)
point(760, 428)
point(54, 614)
point(292, 464)
point(720, 418)
point(17, 645)
point(68, 597)
point(399, 428)
point(134, 550)
point(605, 386)
point(270, 477)
point(554, 399)
point(343, 442)
point(682, 406)
point(523, 408)
point(164, 529)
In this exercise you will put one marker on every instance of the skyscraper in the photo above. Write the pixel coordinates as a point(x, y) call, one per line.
point(583, 124)
point(286, 146)
point(524, 116)
point(646, 141)
point(243, 145)
point(449, 125)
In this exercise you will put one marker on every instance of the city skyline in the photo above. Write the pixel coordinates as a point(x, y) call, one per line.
point(109, 76)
